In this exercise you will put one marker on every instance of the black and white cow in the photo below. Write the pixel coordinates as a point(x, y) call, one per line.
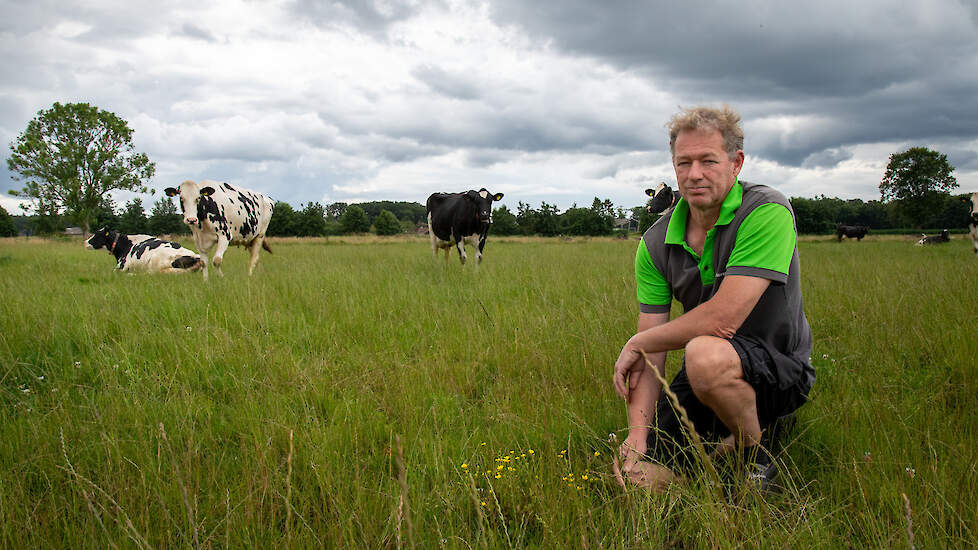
point(850, 231)
point(944, 237)
point(220, 215)
point(455, 219)
point(972, 201)
point(663, 198)
point(145, 253)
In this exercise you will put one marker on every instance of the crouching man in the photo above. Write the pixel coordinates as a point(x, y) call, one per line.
point(728, 253)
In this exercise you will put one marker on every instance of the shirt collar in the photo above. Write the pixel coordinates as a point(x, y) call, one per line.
point(676, 231)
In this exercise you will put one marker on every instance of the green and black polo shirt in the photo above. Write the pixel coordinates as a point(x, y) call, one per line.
point(755, 236)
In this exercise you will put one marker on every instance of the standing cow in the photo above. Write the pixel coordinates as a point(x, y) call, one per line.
point(850, 231)
point(455, 219)
point(220, 215)
point(972, 201)
point(144, 253)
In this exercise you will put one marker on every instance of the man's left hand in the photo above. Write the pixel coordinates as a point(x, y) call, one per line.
point(628, 369)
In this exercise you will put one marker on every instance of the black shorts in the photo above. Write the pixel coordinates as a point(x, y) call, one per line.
point(780, 382)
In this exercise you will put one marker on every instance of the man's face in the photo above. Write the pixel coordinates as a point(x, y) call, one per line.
point(704, 171)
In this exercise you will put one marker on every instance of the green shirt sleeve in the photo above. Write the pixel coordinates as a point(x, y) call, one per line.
point(654, 295)
point(765, 244)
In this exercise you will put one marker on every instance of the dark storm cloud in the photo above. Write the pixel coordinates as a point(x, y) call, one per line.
point(877, 72)
point(827, 158)
point(962, 159)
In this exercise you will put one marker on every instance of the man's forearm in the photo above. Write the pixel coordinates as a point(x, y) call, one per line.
point(643, 398)
point(720, 316)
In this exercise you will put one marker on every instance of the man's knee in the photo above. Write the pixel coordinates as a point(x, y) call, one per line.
point(711, 363)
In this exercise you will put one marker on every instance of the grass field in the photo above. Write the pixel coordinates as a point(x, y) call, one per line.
point(365, 395)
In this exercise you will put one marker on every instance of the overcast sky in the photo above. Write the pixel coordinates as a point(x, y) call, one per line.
point(557, 101)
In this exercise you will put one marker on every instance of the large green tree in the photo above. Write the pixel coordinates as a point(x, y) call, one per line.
point(918, 180)
point(70, 156)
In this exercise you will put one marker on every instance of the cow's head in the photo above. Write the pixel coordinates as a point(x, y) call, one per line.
point(663, 198)
point(972, 202)
point(101, 238)
point(192, 200)
point(482, 199)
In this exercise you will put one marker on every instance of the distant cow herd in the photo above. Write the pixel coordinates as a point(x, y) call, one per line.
point(220, 215)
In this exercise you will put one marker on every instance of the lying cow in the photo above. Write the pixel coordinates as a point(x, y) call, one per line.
point(145, 253)
point(944, 237)
point(663, 198)
point(220, 215)
point(455, 219)
point(972, 202)
point(850, 231)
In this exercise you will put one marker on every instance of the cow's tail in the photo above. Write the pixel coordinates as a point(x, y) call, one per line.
point(264, 244)
point(190, 263)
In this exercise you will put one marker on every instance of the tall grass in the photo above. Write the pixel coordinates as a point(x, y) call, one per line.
point(368, 395)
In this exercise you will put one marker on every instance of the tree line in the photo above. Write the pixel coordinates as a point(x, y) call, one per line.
point(72, 156)
point(813, 216)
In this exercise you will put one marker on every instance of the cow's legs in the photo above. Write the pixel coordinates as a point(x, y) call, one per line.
point(474, 241)
point(204, 252)
point(218, 259)
point(255, 248)
point(434, 239)
point(460, 245)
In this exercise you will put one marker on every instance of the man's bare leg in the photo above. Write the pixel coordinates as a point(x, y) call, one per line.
point(717, 379)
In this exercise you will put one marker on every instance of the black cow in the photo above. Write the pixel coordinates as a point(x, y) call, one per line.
point(455, 219)
point(663, 198)
point(850, 231)
point(972, 202)
point(144, 253)
point(944, 237)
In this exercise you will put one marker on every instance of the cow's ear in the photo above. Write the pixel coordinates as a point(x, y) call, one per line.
point(966, 200)
point(497, 197)
point(469, 195)
point(207, 191)
point(171, 192)
point(650, 192)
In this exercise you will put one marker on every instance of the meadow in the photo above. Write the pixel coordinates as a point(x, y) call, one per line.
point(362, 394)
